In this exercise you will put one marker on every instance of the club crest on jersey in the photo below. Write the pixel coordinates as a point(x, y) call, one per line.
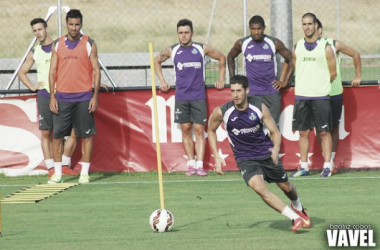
point(194, 51)
point(266, 46)
point(252, 117)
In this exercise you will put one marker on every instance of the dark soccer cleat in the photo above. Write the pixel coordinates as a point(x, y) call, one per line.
point(326, 172)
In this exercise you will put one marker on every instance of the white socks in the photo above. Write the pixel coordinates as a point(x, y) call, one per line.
point(327, 165)
point(199, 164)
point(288, 212)
point(191, 163)
point(66, 161)
point(58, 168)
point(305, 165)
point(49, 163)
point(85, 168)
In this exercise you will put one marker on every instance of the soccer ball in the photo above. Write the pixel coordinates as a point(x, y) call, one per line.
point(161, 220)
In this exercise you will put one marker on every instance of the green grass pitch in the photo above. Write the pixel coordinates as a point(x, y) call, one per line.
point(214, 212)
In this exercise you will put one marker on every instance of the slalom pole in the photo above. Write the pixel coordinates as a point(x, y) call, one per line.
point(158, 147)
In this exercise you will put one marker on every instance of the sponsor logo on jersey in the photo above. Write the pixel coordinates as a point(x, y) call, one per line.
point(264, 58)
point(309, 59)
point(195, 65)
point(246, 130)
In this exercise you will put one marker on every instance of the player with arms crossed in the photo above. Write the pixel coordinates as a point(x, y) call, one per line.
point(256, 155)
point(190, 94)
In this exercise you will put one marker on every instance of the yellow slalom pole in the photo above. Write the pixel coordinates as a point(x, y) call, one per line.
point(158, 147)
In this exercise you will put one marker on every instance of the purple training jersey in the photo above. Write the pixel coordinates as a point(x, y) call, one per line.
point(246, 133)
point(189, 72)
point(260, 64)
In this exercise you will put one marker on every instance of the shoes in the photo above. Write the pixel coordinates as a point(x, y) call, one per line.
point(55, 179)
point(326, 172)
point(298, 224)
point(66, 170)
point(84, 179)
point(334, 169)
point(303, 215)
point(191, 171)
point(300, 172)
point(201, 172)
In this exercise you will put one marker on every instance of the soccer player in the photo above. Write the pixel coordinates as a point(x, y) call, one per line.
point(190, 94)
point(255, 153)
point(315, 70)
point(259, 51)
point(41, 55)
point(74, 66)
point(336, 94)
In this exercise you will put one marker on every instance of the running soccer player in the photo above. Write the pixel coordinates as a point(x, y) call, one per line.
point(255, 153)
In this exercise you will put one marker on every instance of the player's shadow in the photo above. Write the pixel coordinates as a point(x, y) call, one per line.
point(75, 178)
point(103, 176)
point(285, 225)
point(199, 221)
point(70, 178)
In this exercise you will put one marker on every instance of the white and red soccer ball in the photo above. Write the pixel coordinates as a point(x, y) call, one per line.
point(161, 220)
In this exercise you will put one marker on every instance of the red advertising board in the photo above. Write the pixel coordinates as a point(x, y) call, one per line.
point(126, 136)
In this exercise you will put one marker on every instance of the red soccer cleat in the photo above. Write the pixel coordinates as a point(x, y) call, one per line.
point(305, 217)
point(298, 224)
